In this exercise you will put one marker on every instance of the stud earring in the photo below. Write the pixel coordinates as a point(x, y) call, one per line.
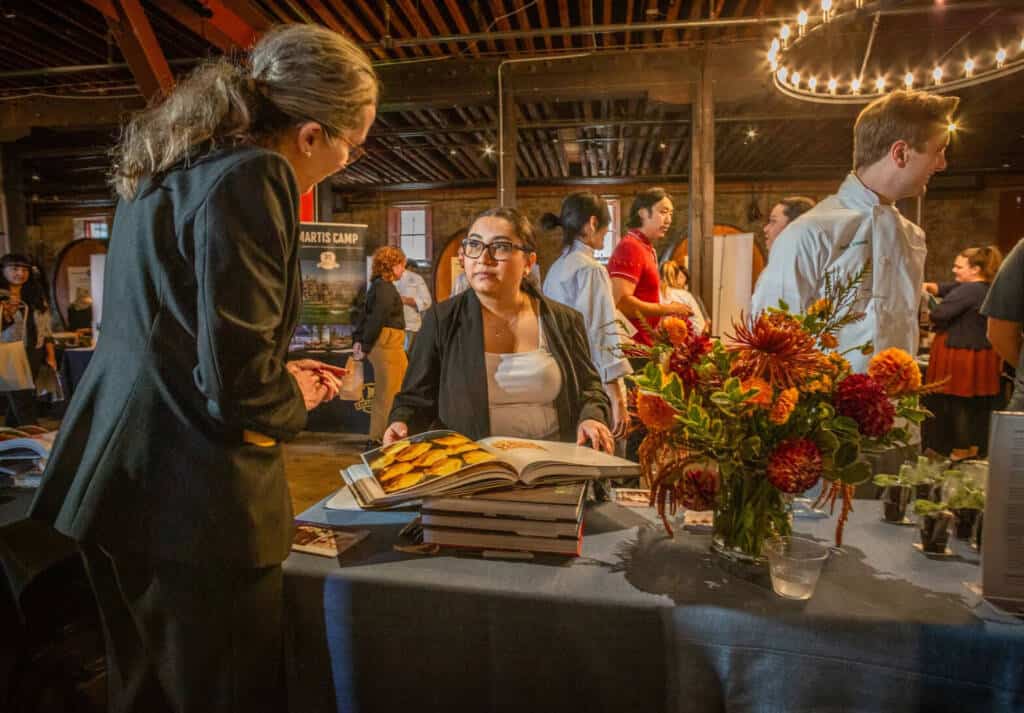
point(309, 154)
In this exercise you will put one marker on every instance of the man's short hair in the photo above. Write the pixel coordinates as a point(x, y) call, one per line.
point(795, 206)
point(907, 114)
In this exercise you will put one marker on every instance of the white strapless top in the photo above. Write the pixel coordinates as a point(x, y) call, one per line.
point(521, 392)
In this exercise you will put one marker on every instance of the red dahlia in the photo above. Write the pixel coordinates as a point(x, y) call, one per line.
point(696, 489)
point(863, 399)
point(795, 465)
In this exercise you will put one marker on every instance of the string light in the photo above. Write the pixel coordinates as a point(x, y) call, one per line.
point(937, 78)
point(951, 127)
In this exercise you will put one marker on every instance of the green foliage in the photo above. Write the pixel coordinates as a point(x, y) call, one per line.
point(928, 507)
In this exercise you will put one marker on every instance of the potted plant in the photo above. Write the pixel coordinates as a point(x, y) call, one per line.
point(914, 481)
point(936, 520)
point(964, 494)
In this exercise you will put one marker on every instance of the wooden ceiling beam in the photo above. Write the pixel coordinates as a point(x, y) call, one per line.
point(695, 11)
point(500, 16)
point(606, 19)
point(353, 21)
point(482, 24)
point(403, 30)
point(460, 22)
point(353, 29)
point(542, 11)
point(563, 18)
point(197, 25)
point(523, 23)
point(140, 48)
point(670, 36)
point(442, 26)
point(417, 23)
point(629, 21)
point(587, 10)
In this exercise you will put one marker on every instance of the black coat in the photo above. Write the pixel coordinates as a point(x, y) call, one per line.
point(958, 315)
point(446, 383)
point(383, 309)
point(202, 292)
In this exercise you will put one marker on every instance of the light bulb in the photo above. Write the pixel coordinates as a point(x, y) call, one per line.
point(782, 74)
point(826, 5)
point(801, 22)
point(880, 84)
point(1000, 58)
point(812, 83)
point(794, 78)
point(855, 86)
point(784, 33)
point(832, 86)
point(951, 127)
point(774, 63)
point(908, 79)
point(969, 67)
point(937, 74)
point(776, 46)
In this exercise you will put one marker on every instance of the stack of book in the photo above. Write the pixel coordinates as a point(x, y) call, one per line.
point(546, 519)
point(493, 494)
point(23, 454)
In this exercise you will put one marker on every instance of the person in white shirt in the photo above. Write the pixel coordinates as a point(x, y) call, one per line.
point(782, 214)
point(579, 281)
point(415, 300)
point(675, 284)
point(899, 142)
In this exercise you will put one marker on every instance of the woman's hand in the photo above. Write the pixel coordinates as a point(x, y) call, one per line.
point(51, 361)
point(357, 351)
point(597, 434)
point(616, 391)
point(932, 288)
point(395, 432)
point(676, 308)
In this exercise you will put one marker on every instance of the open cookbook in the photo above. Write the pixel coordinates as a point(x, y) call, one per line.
point(447, 462)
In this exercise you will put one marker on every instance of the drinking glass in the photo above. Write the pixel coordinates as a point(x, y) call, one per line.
point(795, 564)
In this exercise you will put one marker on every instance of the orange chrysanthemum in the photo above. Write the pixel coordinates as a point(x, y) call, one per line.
point(784, 405)
point(820, 385)
point(678, 330)
point(654, 411)
point(837, 365)
point(821, 305)
point(775, 347)
point(829, 341)
point(763, 397)
point(896, 371)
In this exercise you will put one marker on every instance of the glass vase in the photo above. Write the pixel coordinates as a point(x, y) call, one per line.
point(748, 511)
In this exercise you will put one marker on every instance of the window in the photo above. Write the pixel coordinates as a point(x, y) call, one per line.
point(409, 229)
point(96, 227)
point(611, 238)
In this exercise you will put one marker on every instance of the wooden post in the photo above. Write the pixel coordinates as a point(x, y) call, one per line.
point(702, 190)
point(509, 148)
point(325, 202)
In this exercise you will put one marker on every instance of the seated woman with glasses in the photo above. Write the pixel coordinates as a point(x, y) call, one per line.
point(500, 359)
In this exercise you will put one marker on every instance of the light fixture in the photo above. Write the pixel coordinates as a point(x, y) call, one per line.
point(774, 63)
point(488, 149)
point(776, 46)
point(801, 23)
point(35, 177)
point(908, 80)
point(833, 85)
point(855, 85)
point(826, 10)
point(951, 127)
point(794, 78)
point(880, 84)
point(751, 134)
point(937, 75)
point(662, 146)
point(969, 67)
point(812, 83)
point(1000, 58)
point(784, 33)
point(782, 74)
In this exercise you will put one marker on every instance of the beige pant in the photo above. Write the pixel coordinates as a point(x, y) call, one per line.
point(389, 364)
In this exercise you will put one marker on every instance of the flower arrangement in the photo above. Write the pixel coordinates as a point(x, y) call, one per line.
point(736, 424)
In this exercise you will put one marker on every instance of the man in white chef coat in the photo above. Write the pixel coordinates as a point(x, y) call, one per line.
point(899, 141)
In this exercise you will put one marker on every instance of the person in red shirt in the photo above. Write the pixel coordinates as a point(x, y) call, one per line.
point(634, 265)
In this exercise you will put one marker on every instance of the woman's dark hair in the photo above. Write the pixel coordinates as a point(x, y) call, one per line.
point(521, 227)
point(795, 206)
point(644, 200)
point(577, 210)
point(33, 292)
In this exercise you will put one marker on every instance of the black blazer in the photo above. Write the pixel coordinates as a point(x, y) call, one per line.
point(201, 296)
point(445, 385)
point(959, 317)
point(383, 309)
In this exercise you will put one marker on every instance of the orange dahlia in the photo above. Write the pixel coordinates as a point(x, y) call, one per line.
point(896, 371)
point(654, 411)
point(763, 397)
point(795, 465)
point(677, 329)
point(775, 347)
point(784, 405)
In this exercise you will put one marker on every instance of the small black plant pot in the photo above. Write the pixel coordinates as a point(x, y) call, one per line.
point(926, 491)
point(979, 524)
point(894, 503)
point(965, 518)
point(935, 532)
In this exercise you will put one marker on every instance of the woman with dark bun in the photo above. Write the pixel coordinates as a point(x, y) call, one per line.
point(579, 281)
point(168, 469)
point(26, 340)
point(961, 353)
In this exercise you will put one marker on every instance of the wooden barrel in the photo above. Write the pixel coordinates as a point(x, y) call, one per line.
point(70, 263)
point(443, 264)
point(679, 250)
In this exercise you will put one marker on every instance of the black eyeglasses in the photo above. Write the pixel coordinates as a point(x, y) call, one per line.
point(499, 250)
point(355, 151)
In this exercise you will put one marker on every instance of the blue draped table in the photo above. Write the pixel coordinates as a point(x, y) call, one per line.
point(642, 622)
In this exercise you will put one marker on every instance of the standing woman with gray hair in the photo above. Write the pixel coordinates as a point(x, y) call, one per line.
point(168, 469)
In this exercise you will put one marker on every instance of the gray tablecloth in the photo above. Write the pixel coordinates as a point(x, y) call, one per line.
point(642, 622)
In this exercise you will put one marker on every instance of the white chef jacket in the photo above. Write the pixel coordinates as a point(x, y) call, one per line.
point(411, 284)
point(846, 231)
point(579, 281)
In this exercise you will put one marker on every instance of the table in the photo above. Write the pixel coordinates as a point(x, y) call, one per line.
point(642, 622)
point(74, 363)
